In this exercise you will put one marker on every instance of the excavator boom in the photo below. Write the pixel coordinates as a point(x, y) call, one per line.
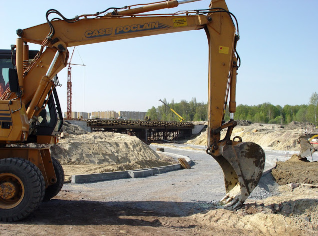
point(33, 82)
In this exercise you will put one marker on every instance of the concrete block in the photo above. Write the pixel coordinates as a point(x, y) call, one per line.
point(79, 179)
point(176, 166)
point(172, 167)
point(158, 170)
point(140, 173)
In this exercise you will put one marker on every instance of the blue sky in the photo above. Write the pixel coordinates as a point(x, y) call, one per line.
point(278, 48)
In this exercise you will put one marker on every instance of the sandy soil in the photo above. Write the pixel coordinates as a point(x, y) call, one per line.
point(296, 171)
point(294, 211)
point(270, 136)
point(100, 152)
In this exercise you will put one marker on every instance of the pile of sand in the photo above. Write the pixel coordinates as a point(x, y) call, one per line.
point(293, 212)
point(276, 137)
point(102, 148)
point(100, 152)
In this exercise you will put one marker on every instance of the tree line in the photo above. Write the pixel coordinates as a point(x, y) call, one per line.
point(190, 111)
point(263, 113)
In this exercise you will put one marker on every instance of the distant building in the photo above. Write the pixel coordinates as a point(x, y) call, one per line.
point(128, 115)
point(83, 115)
point(104, 115)
point(79, 115)
point(132, 115)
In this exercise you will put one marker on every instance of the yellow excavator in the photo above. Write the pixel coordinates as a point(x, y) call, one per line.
point(30, 110)
point(306, 147)
point(179, 117)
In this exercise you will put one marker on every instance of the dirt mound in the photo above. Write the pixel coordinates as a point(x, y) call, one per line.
point(293, 212)
point(101, 152)
point(296, 171)
point(276, 137)
point(102, 148)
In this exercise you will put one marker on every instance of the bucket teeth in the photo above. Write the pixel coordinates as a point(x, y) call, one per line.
point(243, 166)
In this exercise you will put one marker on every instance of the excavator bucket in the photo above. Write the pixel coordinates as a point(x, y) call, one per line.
point(306, 149)
point(243, 166)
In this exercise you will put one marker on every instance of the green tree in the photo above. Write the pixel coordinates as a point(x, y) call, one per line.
point(287, 114)
point(310, 114)
point(262, 113)
point(152, 113)
point(192, 108)
point(301, 114)
point(201, 112)
point(314, 101)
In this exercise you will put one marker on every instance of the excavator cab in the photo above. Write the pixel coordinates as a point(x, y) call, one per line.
point(8, 73)
point(50, 119)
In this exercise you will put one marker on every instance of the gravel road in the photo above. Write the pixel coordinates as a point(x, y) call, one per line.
point(177, 193)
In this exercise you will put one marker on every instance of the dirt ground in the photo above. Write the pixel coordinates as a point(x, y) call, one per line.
point(294, 211)
point(296, 171)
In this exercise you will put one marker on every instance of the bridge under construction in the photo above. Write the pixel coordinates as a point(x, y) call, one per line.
point(147, 131)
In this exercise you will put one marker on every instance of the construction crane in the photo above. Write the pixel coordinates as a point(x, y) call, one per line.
point(180, 117)
point(69, 87)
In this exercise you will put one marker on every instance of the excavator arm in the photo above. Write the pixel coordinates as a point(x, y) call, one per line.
point(242, 163)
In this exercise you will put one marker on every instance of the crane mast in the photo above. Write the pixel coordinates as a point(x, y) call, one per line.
point(69, 87)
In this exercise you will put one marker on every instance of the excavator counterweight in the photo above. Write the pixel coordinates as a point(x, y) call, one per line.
point(30, 97)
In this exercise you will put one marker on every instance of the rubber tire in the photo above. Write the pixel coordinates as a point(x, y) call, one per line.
point(52, 190)
point(34, 188)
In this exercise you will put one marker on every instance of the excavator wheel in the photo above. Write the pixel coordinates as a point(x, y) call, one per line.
point(22, 188)
point(52, 190)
